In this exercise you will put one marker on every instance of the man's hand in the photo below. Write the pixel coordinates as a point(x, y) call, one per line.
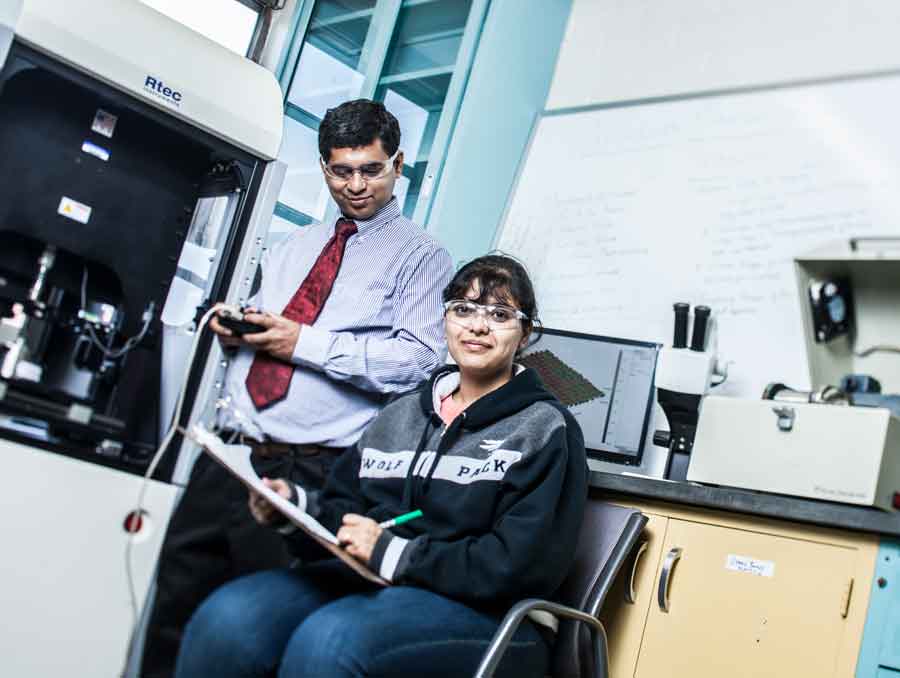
point(280, 336)
point(260, 508)
point(358, 535)
point(227, 338)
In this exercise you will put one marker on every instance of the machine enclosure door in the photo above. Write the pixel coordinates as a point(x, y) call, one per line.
point(64, 579)
point(74, 450)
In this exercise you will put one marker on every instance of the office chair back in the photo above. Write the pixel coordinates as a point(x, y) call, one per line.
point(608, 536)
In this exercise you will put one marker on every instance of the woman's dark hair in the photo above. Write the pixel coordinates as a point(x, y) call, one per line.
point(358, 123)
point(501, 278)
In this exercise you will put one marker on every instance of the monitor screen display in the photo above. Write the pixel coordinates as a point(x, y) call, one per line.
point(606, 383)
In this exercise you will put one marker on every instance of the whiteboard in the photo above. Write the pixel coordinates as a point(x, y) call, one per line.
point(620, 211)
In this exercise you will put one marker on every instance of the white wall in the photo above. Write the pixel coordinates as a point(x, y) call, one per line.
point(618, 50)
point(627, 50)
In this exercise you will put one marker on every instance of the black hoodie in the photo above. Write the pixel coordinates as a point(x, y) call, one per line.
point(502, 490)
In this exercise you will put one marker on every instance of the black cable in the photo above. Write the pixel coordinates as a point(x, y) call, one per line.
point(879, 348)
point(130, 343)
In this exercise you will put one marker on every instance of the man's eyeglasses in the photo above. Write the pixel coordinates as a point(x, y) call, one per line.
point(371, 171)
point(497, 316)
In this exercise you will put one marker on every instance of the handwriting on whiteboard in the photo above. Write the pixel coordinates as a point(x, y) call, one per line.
point(619, 212)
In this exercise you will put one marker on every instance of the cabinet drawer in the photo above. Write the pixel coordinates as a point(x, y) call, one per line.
point(747, 604)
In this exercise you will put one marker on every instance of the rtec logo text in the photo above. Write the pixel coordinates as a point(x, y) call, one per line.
point(158, 88)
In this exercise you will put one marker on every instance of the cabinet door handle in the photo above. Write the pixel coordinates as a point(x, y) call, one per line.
point(662, 594)
point(630, 594)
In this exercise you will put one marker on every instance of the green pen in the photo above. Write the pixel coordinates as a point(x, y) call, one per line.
point(399, 520)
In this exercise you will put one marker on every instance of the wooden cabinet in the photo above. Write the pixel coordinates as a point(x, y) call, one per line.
point(746, 604)
point(625, 612)
point(719, 594)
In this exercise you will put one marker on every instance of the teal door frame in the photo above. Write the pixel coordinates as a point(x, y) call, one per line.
point(879, 654)
point(506, 90)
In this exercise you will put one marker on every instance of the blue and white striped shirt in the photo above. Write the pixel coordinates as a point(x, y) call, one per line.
point(380, 331)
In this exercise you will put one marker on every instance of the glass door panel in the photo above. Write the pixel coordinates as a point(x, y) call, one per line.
point(413, 121)
point(329, 70)
point(401, 52)
point(418, 104)
point(427, 36)
point(303, 190)
point(416, 77)
point(323, 82)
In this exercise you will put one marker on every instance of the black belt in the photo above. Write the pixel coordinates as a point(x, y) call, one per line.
point(273, 448)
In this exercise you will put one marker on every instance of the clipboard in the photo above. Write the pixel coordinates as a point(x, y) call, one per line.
point(236, 459)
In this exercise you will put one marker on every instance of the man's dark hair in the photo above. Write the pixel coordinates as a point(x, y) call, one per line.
point(358, 123)
point(501, 278)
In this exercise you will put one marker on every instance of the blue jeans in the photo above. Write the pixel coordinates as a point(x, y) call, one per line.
point(324, 621)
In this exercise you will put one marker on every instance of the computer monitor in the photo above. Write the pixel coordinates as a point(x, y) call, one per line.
point(606, 383)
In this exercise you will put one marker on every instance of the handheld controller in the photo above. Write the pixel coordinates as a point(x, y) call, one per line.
point(232, 317)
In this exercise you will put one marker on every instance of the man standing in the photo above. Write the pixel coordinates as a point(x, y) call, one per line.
point(352, 314)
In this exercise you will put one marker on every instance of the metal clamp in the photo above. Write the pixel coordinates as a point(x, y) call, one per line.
point(662, 593)
point(631, 594)
point(786, 416)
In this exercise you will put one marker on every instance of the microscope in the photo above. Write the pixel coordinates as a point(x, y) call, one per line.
point(683, 376)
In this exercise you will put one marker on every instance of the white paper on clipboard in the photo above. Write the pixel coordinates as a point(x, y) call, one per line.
point(236, 458)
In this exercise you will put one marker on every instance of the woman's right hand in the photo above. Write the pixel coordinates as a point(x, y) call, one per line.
point(260, 507)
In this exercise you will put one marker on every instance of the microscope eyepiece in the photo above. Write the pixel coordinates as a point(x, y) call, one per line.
point(701, 321)
point(679, 340)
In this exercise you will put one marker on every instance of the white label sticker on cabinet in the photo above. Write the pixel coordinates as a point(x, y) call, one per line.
point(761, 568)
point(74, 210)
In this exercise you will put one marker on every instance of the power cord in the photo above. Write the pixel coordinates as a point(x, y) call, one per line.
point(879, 348)
point(154, 462)
point(720, 369)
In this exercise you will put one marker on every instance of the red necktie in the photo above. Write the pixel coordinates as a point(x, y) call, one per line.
point(269, 378)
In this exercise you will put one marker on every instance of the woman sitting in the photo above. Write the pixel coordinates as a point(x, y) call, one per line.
point(497, 466)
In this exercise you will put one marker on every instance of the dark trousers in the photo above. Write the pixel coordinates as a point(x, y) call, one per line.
point(212, 539)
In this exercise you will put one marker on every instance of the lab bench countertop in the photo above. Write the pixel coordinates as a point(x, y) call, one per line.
point(749, 502)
